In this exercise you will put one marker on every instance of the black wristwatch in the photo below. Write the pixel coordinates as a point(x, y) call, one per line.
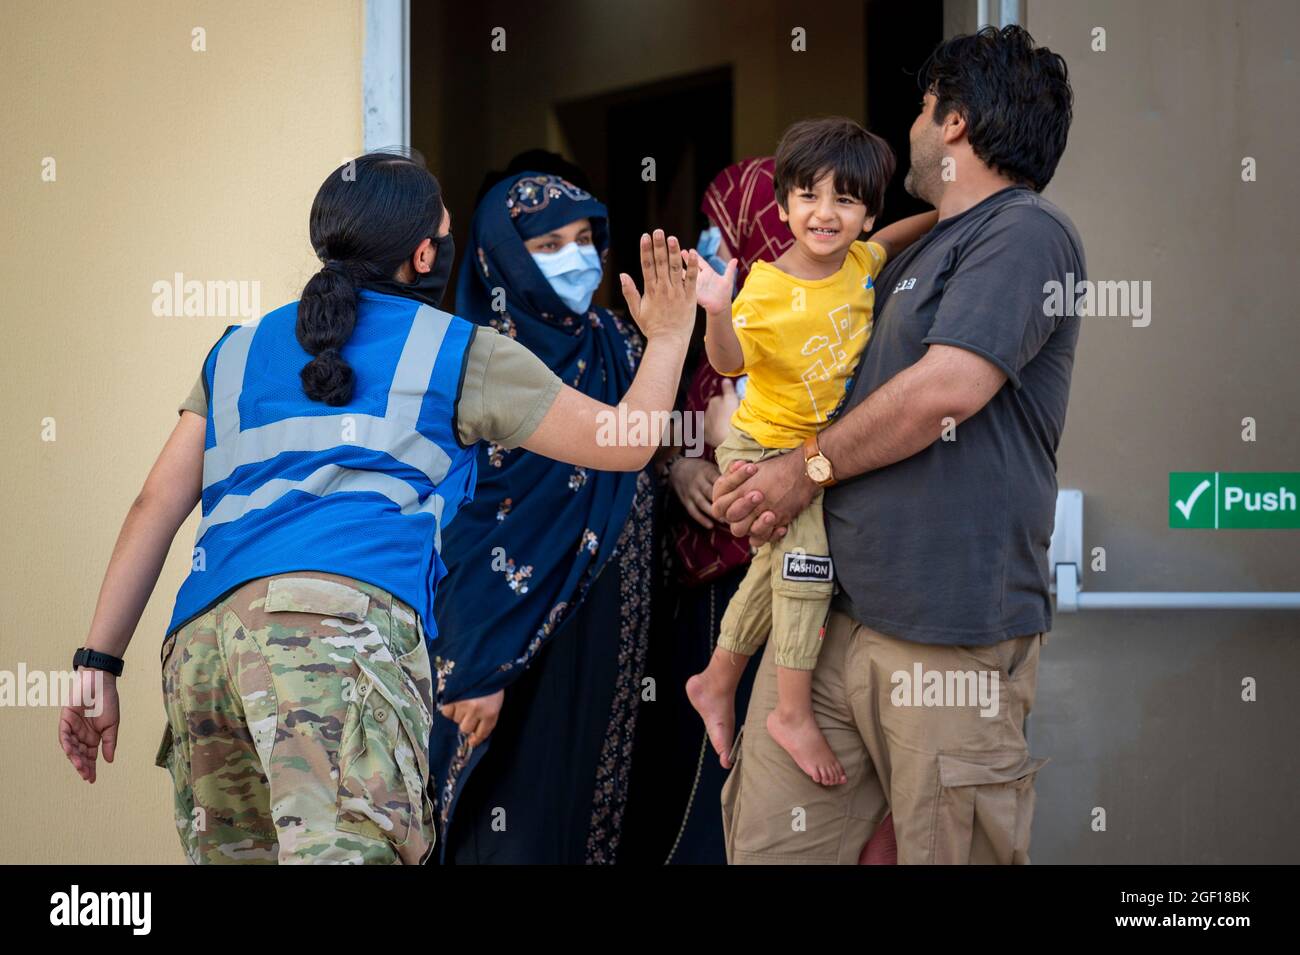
point(98, 661)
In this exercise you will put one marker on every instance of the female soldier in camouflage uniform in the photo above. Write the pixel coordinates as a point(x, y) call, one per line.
point(329, 443)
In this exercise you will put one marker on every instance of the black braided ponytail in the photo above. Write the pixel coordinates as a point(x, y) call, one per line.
point(368, 218)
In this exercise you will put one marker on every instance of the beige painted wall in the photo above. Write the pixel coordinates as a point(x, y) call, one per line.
point(168, 160)
point(1141, 712)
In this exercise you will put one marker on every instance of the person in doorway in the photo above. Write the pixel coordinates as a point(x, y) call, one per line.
point(795, 331)
point(706, 562)
point(674, 792)
point(547, 601)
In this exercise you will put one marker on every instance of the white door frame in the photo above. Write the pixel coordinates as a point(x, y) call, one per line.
point(1007, 13)
point(386, 74)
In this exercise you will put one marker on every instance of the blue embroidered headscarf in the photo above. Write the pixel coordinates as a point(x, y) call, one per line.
point(521, 555)
point(555, 524)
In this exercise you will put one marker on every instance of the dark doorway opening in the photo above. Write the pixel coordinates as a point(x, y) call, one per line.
point(683, 125)
point(899, 37)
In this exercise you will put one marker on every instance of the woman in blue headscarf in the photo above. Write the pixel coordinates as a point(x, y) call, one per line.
point(547, 591)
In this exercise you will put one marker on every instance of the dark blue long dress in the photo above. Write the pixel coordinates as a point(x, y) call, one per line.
point(547, 590)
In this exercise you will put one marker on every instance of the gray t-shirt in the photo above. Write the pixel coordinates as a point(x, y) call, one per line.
point(950, 545)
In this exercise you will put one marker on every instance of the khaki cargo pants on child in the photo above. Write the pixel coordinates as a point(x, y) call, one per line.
point(787, 589)
point(298, 716)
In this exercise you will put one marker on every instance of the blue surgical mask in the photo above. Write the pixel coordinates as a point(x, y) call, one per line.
point(574, 272)
point(707, 247)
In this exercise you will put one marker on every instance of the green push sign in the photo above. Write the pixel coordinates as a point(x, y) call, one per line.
point(1224, 500)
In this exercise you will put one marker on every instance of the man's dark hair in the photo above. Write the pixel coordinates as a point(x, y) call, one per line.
point(862, 162)
point(1015, 98)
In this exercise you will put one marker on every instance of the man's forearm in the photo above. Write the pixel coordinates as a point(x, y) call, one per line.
point(907, 413)
point(895, 422)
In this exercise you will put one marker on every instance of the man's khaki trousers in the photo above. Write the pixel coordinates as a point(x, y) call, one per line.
point(933, 733)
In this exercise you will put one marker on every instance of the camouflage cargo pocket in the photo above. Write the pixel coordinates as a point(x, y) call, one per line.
point(383, 755)
point(162, 757)
point(172, 755)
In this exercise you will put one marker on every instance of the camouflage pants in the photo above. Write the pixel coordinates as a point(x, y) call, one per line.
point(298, 716)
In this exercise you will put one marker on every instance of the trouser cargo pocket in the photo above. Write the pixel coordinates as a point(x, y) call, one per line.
point(382, 768)
point(384, 701)
point(163, 757)
point(985, 808)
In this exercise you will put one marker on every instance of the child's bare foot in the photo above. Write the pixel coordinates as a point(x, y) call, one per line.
point(799, 735)
point(716, 705)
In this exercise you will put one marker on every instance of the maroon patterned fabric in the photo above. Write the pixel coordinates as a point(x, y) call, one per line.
point(741, 203)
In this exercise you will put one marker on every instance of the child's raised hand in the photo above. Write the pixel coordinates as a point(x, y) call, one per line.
point(713, 291)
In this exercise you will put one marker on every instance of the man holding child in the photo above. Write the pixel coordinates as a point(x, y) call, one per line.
point(940, 497)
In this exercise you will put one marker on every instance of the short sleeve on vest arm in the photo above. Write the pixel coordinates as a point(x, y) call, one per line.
point(506, 391)
point(196, 400)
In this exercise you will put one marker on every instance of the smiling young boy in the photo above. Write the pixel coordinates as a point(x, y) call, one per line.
point(796, 330)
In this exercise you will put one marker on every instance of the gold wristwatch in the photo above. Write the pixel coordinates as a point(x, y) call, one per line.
point(816, 464)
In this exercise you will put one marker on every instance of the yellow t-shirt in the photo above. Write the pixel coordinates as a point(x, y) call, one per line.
point(801, 340)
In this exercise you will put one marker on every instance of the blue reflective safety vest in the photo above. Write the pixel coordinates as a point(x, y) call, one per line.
point(363, 489)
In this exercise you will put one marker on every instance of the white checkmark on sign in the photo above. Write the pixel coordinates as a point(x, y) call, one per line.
point(1186, 508)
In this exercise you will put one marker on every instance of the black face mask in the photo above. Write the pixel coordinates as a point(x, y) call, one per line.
point(429, 287)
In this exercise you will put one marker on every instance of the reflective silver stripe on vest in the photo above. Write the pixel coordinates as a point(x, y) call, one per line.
point(393, 434)
point(320, 433)
point(415, 367)
point(329, 479)
point(227, 380)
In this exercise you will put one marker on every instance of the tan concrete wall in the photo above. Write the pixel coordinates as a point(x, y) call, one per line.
point(1142, 712)
point(167, 160)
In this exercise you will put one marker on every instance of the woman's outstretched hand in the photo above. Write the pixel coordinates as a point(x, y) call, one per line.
point(668, 275)
point(576, 428)
point(477, 718)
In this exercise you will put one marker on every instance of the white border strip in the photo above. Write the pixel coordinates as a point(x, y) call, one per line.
point(386, 74)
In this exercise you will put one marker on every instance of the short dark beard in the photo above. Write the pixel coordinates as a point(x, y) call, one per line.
point(914, 185)
point(909, 182)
